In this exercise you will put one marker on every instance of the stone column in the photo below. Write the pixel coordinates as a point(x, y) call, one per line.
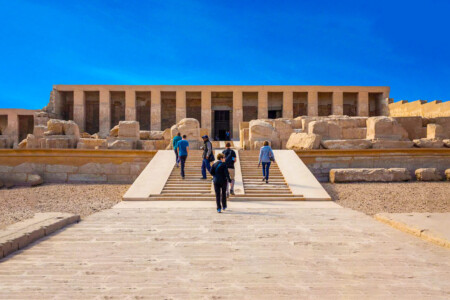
point(338, 103)
point(12, 128)
point(105, 112)
point(238, 115)
point(180, 105)
point(313, 103)
point(79, 114)
point(155, 109)
point(56, 96)
point(206, 111)
point(263, 104)
point(288, 105)
point(130, 105)
point(385, 104)
point(363, 104)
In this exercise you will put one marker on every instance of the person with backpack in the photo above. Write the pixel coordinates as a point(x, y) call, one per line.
point(230, 159)
point(183, 150)
point(220, 174)
point(266, 156)
point(207, 156)
point(175, 141)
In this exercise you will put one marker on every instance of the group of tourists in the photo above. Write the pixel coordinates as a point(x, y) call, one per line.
point(223, 169)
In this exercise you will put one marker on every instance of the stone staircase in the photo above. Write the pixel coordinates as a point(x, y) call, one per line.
point(189, 188)
point(255, 188)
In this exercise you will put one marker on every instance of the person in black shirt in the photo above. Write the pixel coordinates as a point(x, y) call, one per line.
point(220, 174)
point(230, 159)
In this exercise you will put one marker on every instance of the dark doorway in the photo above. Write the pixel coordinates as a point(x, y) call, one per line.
point(274, 114)
point(221, 124)
point(26, 126)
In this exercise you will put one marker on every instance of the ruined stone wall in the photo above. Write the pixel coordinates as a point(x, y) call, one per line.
point(74, 165)
point(320, 162)
point(420, 108)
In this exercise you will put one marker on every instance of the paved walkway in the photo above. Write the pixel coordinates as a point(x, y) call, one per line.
point(173, 250)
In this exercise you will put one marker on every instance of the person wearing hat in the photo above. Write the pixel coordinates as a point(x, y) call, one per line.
point(207, 156)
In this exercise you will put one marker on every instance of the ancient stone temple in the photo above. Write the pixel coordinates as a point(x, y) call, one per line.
point(98, 108)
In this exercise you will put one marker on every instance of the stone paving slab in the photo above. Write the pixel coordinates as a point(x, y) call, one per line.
point(18, 235)
point(432, 227)
point(249, 252)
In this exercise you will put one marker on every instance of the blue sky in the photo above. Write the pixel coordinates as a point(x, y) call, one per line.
point(401, 44)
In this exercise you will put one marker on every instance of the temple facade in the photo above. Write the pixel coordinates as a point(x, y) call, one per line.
point(98, 108)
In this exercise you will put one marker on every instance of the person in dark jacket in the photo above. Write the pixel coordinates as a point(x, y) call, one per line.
point(230, 159)
point(221, 177)
point(207, 156)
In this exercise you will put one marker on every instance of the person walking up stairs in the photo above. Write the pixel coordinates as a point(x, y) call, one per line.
point(183, 150)
point(230, 159)
point(207, 157)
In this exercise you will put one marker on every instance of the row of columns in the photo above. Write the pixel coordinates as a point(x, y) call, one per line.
point(130, 107)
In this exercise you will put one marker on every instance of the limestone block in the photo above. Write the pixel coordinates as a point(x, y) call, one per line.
point(86, 135)
point(428, 174)
point(57, 142)
point(389, 144)
point(385, 128)
point(92, 144)
point(347, 122)
point(435, 131)
point(328, 130)
point(447, 174)
point(87, 178)
point(23, 144)
point(447, 143)
point(60, 168)
point(144, 135)
point(258, 144)
point(362, 121)
point(55, 127)
point(303, 141)
point(283, 128)
point(121, 145)
point(347, 144)
point(307, 120)
point(428, 143)
point(167, 134)
point(114, 132)
point(444, 122)
point(354, 133)
point(369, 175)
point(156, 135)
point(154, 144)
point(71, 128)
point(261, 131)
point(412, 125)
point(34, 179)
point(189, 127)
point(39, 130)
point(297, 123)
point(129, 130)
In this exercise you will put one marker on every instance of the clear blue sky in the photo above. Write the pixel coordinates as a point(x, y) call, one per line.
point(402, 44)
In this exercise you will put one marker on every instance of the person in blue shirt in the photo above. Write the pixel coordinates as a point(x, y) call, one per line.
point(183, 150)
point(266, 157)
point(175, 141)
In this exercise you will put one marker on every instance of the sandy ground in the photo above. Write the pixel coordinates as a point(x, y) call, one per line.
point(404, 197)
point(84, 199)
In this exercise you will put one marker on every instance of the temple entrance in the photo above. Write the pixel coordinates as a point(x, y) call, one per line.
point(221, 125)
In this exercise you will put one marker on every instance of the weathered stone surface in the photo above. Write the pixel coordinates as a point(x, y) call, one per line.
point(57, 142)
point(446, 142)
point(156, 135)
point(121, 145)
point(412, 125)
point(369, 175)
point(114, 132)
point(389, 144)
point(154, 144)
point(23, 144)
point(354, 133)
point(71, 128)
point(303, 141)
point(435, 131)
point(204, 131)
point(85, 135)
point(328, 130)
point(4, 144)
point(261, 131)
point(258, 144)
point(187, 126)
point(283, 128)
point(346, 122)
point(297, 123)
point(385, 128)
point(60, 168)
point(129, 130)
point(34, 179)
point(167, 134)
point(55, 127)
point(428, 174)
point(428, 143)
point(39, 130)
point(447, 174)
point(347, 144)
point(87, 178)
point(92, 144)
